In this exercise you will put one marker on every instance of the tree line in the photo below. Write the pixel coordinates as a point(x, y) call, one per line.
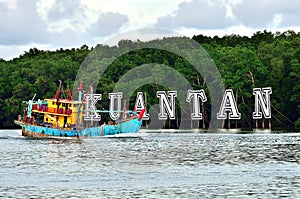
point(265, 59)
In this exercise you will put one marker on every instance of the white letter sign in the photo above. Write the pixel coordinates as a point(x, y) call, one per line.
point(166, 104)
point(196, 94)
point(91, 114)
point(228, 105)
point(112, 96)
point(140, 105)
point(262, 102)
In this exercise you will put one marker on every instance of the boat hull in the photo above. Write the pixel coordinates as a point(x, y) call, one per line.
point(130, 126)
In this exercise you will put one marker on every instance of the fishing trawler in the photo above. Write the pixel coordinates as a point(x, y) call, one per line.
point(63, 117)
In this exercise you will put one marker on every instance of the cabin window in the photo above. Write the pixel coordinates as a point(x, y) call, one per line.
point(46, 119)
point(53, 103)
point(63, 104)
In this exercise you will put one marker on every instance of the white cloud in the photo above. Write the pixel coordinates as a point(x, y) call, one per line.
point(277, 20)
point(199, 14)
point(67, 14)
point(20, 23)
point(261, 14)
point(107, 23)
point(139, 13)
point(56, 24)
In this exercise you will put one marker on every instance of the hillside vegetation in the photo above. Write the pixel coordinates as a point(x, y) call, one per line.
point(262, 60)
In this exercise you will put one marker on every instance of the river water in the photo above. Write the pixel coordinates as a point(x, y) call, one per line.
point(156, 165)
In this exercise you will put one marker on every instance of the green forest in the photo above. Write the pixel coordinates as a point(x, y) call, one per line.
point(265, 59)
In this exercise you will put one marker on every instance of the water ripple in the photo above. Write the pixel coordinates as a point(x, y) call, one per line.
point(173, 165)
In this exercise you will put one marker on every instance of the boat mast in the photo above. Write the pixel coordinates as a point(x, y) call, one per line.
point(124, 111)
point(92, 97)
point(57, 100)
point(80, 91)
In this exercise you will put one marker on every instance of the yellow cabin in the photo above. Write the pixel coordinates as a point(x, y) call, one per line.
point(60, 113)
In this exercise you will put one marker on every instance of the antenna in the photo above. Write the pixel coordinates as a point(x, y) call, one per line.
point(33, 96)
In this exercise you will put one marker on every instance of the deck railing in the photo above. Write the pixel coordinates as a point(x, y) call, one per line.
point(43, 108)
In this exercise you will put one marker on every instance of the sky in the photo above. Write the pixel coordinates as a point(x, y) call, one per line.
point(55, 24)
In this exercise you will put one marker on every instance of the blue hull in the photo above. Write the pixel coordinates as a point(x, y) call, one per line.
point(129, 126)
